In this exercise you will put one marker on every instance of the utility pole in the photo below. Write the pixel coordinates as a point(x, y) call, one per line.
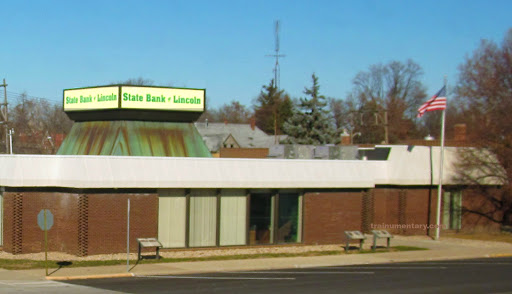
point(384, 118)
point(277, 73)
point(381, 118)
point(3, 115)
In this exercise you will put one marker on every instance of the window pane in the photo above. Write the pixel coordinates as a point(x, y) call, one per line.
point(203, 217)
point(233, 207)
point(456, 219)
point(260, 221)
point(446, 210)
point(288, 224)
point(171, 217)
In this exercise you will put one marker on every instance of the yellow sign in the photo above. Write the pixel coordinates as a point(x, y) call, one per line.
point(134, 97)
point(91, 98)
point(162, 98)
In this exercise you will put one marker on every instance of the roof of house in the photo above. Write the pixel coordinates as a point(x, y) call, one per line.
point(247, 136)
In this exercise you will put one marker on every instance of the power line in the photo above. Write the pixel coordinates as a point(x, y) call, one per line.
point(18, 98)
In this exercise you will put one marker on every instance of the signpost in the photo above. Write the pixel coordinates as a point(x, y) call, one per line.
point(45, 222)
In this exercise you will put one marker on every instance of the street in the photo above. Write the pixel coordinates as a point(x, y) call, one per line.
point(491, 275)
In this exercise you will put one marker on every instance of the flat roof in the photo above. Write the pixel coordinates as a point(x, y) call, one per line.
point(180, 172)
point(405, 166)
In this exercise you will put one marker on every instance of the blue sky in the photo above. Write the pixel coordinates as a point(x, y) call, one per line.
point(47, 46)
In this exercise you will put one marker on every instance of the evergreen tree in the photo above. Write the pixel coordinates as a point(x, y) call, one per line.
point(273, 107)
point(311, 123)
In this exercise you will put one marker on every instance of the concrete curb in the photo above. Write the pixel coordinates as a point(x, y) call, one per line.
point(277, 267)
point(500, 255)
point(105, 276)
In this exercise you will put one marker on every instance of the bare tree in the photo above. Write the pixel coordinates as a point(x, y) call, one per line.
point(36, 122)
point(210, 114)
point(234, 112)
point(140, 81)
point(394, 89)
point(343, 118)
point(485, 94)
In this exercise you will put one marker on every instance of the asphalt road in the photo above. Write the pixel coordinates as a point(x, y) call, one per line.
point(492, 275)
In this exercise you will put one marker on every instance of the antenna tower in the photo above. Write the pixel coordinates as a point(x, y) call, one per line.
point(277, 71)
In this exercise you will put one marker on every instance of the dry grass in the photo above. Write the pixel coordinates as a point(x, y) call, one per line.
point(482, 236)
point(20, 264)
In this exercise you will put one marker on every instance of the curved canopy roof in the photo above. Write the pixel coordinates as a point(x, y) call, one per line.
point(134, 138)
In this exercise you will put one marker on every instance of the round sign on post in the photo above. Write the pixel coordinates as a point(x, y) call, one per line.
point(49, 219)
point(45, 222)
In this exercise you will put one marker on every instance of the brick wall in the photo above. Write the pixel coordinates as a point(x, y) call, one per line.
point(417, 209)
point(386, 207)
point(473, 200)
point(244, 152)
point(94, 223)
point(327, 215)
point(107, 221)
point(396, 206)
point(104, 220)
point(8, 222)
point(61, 237)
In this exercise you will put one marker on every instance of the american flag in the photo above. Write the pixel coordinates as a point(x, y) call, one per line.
point(437, 102)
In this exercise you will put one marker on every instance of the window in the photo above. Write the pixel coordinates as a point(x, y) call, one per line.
point(172, 205)
point(203, 217)
point(452, 206)
point(288, 224)
point(261, 219)
point(233, 217)
point(275, 218)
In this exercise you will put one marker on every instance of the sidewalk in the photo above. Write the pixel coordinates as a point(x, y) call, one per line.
point(445, 249)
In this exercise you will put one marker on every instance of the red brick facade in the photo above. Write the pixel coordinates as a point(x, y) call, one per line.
point(95, 223)
point(99, 227)
point(243, 152)
point(327, 215)
point(107, 221)
point(472, 222)
point(21, 231)
point(396, 206)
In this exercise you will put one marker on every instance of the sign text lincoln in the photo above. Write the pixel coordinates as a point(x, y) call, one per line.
point(134, 97)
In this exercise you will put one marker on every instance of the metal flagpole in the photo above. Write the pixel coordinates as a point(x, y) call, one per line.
point(440, 187)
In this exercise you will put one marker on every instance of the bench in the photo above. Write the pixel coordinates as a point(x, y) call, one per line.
point(148, 243)
point(354, 235)
point(381, 234)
